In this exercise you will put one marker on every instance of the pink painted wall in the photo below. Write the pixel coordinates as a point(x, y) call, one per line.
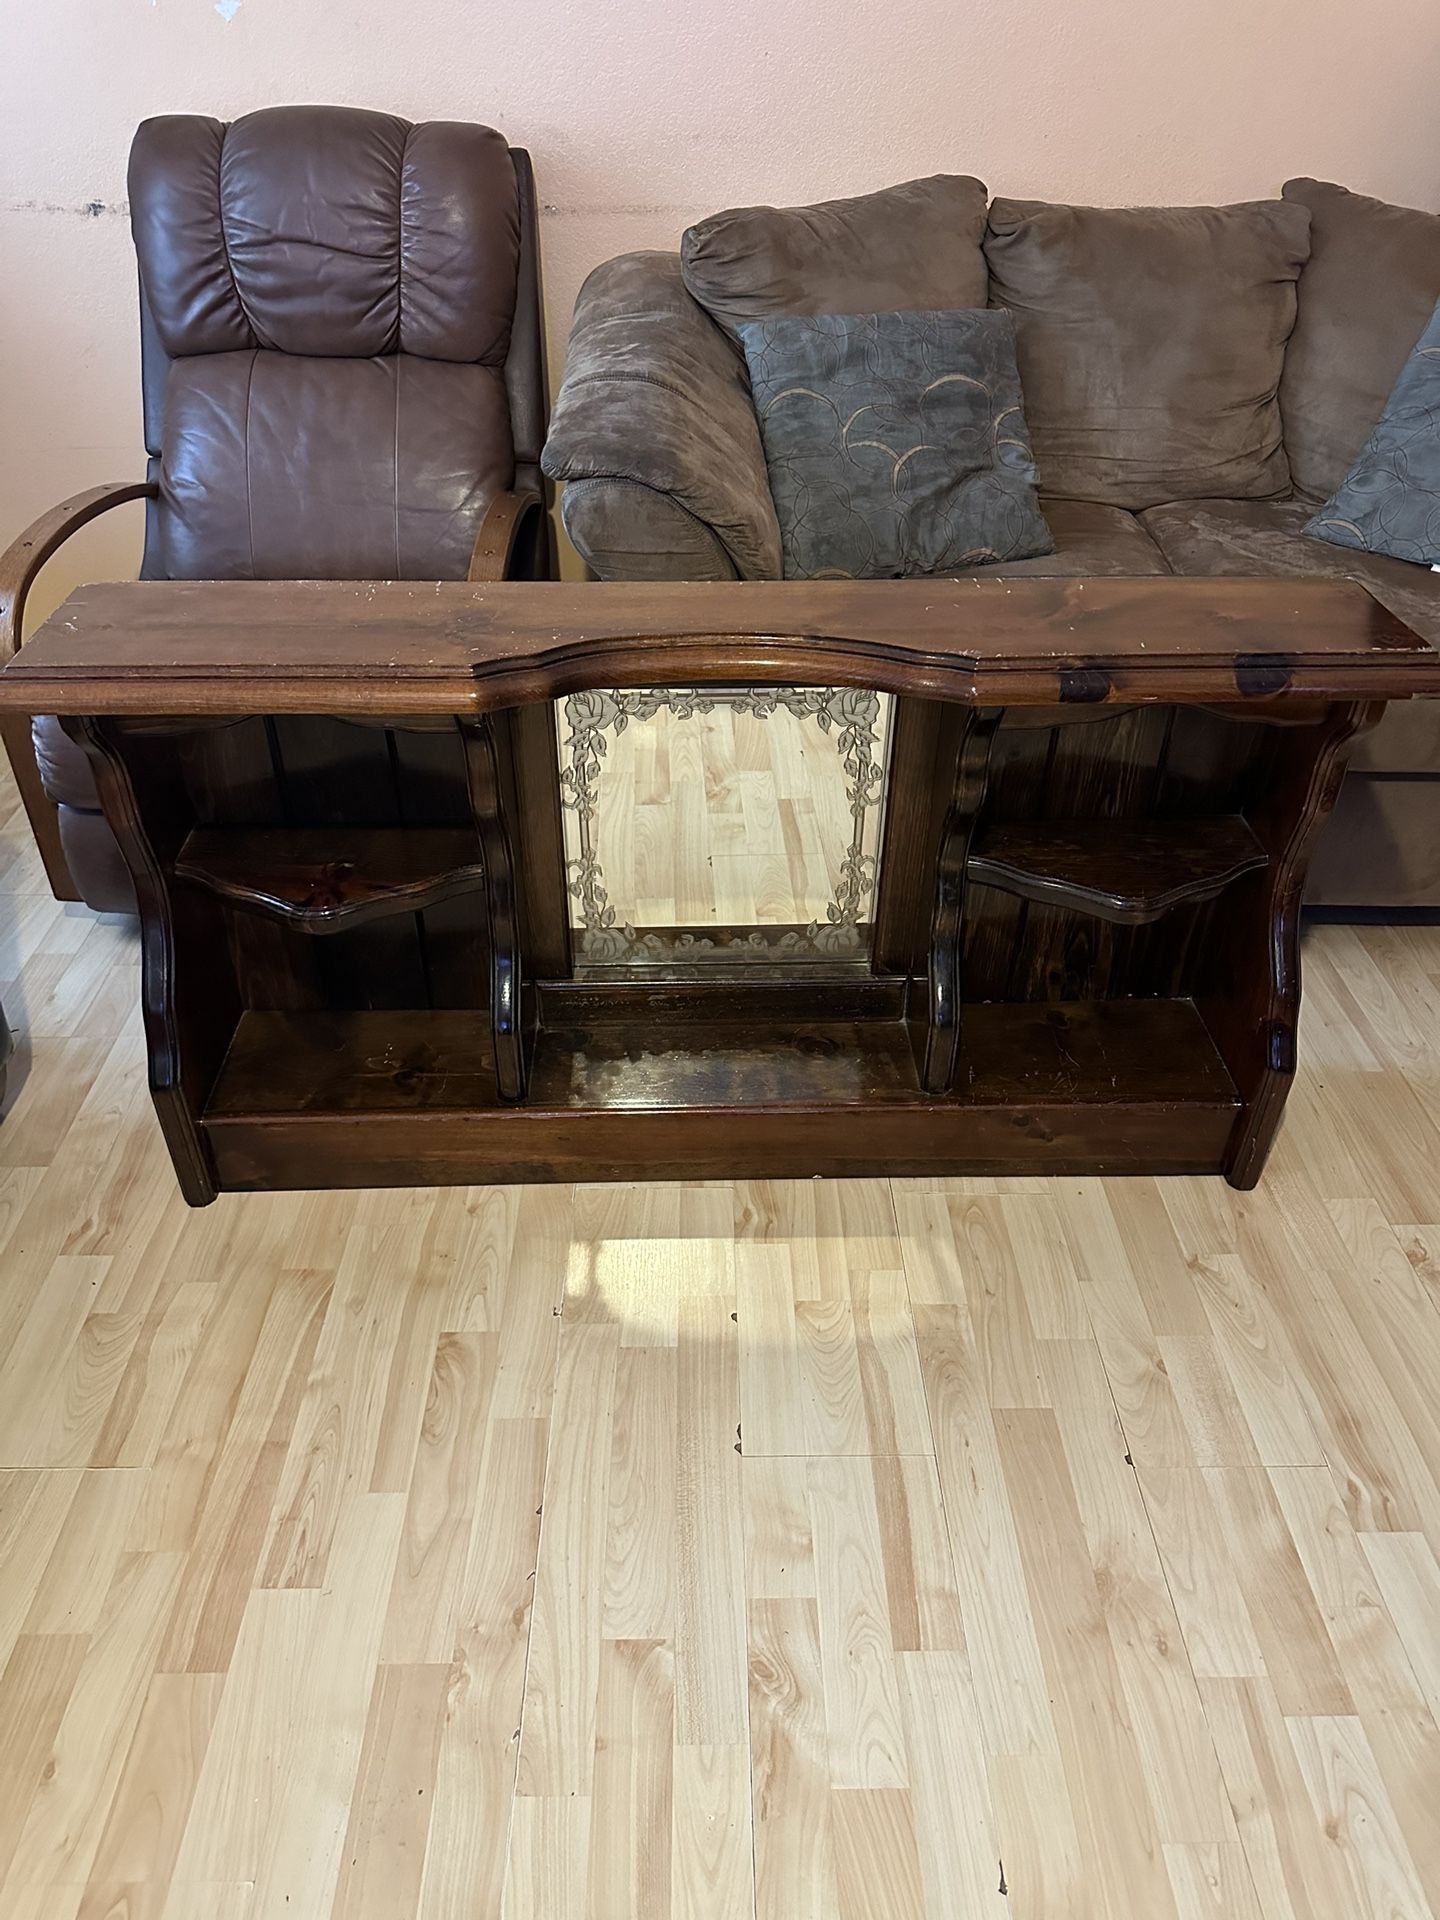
point(644, 117)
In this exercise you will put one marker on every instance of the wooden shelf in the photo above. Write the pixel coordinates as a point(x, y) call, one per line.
point(1029, 1054)
point(376, 1061)
point(1120, 870)
point(385, 1098)
point(326, 879)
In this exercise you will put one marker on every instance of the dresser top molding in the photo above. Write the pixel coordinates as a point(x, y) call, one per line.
point(412, 649)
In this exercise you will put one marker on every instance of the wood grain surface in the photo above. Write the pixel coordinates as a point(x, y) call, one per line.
point(391, 647)
point(731, 1550)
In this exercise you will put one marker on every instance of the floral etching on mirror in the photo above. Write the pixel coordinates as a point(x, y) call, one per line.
point(613, 926)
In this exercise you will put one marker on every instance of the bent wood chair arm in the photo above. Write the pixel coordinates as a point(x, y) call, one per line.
point(19, 564)
point(505, 520)
point(25, 556)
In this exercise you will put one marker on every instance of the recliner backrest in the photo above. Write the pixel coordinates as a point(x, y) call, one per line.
point(341, 341)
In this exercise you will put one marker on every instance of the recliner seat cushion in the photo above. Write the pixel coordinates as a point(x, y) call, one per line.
point(909, 248)
point(1367, 291)
point(1151, 342)
point(279, 467)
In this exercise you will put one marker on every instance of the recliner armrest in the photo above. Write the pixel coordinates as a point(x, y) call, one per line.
point(27, 554)
point(511, 540)
point(19, 565)
point(656, 397)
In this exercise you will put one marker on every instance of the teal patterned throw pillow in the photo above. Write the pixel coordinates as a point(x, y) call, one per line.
point(1389, 502)
point(896, 443)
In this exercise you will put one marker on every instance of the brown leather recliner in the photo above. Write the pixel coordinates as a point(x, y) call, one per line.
point(344, 378)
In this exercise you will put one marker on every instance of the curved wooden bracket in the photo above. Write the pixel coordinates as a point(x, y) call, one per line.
point(180, 1072)
point(19, 565)
point(947, 943)
point(507, 997)
point(1255, 1019)
point(506, 518)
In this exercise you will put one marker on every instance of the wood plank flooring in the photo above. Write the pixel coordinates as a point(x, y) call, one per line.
point(860, 1551)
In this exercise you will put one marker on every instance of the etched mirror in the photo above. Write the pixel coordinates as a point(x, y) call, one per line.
point(717, 827)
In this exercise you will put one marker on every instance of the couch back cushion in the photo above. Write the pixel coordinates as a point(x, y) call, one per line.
point(1366, 294)
point(907, 248)
point(1151, 344)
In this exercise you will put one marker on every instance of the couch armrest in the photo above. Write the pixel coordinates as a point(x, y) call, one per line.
point(19, 564)
point(655, 397)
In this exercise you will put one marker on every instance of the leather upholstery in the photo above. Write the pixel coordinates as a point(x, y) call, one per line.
point(91, 851)
point(332, 292)
point(278, 467)
point(527, 374)
point(342, 358)
point(93, 856)
point(326, 231)
point(63, 766)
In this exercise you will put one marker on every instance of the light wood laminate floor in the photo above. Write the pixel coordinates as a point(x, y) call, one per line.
point(856, 1551)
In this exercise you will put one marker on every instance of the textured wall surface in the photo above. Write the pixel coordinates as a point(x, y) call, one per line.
point(643, 117)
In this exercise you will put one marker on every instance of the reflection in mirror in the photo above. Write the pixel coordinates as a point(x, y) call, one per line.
point(714, 826)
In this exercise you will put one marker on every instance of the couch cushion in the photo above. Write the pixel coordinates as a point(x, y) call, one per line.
point(1266, 540)
point(1369, 287)
point(906, 248)
point(1381, 845)
point(1091, 542)
point(1151, 343)
point(1389, 501)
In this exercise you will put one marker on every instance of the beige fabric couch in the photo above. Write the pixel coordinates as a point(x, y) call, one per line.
point(1196, 381)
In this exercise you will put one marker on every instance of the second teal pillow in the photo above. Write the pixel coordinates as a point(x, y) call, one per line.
point(895, 443)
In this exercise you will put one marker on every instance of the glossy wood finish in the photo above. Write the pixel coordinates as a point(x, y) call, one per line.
point(789, 1525)
point(510, 1019)
point(454, 647)
point(511, 521)
point(1112, 1086)
point(322, 880)
point(1084, 945)
point(189, 1000)
point(1256, 1018)
point(20, 565)
point(940, 1027)
point(1128, 873)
